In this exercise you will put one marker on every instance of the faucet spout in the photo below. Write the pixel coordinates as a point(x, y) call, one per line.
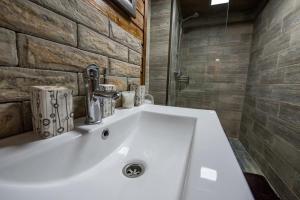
point(94, 97)
point(107, 94)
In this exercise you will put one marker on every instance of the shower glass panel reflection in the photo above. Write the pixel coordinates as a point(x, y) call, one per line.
point(212, 62)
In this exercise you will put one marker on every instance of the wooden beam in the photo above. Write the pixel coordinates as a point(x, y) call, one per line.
point(140, 6)
point(144, 58)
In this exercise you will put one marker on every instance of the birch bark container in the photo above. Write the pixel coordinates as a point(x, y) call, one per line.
point(140, 91)
point(52, 110)
point(108, 103)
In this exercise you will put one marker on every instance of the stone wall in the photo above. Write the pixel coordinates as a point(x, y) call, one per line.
point(270, 128)
point(50, 42)
point(216, 84)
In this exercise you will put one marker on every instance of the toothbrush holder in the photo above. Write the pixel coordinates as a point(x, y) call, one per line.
point(52, 110)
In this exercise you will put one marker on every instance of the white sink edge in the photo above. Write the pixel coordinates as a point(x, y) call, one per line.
point(231, 183)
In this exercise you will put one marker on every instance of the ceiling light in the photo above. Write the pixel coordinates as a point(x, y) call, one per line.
point(216, 2)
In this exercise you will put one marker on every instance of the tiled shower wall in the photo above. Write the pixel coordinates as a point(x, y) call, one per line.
point(159, 49)
point(173, 52)
point(216, 84)
point(50, 42)
point(270, 128)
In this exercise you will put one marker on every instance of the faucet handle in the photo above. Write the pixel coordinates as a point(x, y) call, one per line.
point(116, 95)
point(92, 72)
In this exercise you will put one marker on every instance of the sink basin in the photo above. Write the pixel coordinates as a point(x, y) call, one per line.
point(183, 154)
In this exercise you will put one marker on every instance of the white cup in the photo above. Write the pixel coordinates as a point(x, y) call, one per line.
point(128, 99)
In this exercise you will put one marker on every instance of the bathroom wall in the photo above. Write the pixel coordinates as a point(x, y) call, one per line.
point(50, 42)
point(174, 52)
point(161, 11)
point(217, 64)
point(270, 128)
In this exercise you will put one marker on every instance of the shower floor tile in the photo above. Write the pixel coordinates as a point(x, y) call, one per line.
point(245, 161)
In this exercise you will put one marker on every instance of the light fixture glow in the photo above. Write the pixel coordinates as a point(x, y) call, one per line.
point(216, 2)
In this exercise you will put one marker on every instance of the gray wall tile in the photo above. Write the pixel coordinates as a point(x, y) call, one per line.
point(216, 85)
point(272, 133)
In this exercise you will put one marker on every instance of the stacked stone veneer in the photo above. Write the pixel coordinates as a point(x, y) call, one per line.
point(50, 42)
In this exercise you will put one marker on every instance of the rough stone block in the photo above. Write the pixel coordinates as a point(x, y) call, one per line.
point(94, 42)
point(27, 116)
point(135, 57)
point(136, 81)
point(79, 11)
point(27, 17)
point(119, 82)
point(8, 49)
point(79, 106)
point(15, 82)
point(39, 53)
point(120, 35)
point(10, 119)
point(119, 68)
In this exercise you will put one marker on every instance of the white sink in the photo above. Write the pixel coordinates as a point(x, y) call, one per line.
point(184, 152)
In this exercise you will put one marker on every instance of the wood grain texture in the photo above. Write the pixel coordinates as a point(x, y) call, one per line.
point(10, 119)
point(140, 5)
point(131, 25)
point(145, 52)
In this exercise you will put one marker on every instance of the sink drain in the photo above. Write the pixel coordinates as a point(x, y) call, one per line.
point(133, 170)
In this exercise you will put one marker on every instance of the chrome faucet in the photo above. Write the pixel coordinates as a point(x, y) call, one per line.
point(94, 97)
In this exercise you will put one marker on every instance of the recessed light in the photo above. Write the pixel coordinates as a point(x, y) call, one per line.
point(216, 2)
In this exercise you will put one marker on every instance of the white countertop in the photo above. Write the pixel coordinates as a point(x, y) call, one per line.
point(212, 171)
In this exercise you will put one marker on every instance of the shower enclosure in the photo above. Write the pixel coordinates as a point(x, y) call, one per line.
point(245, 68)
point(211, 65)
